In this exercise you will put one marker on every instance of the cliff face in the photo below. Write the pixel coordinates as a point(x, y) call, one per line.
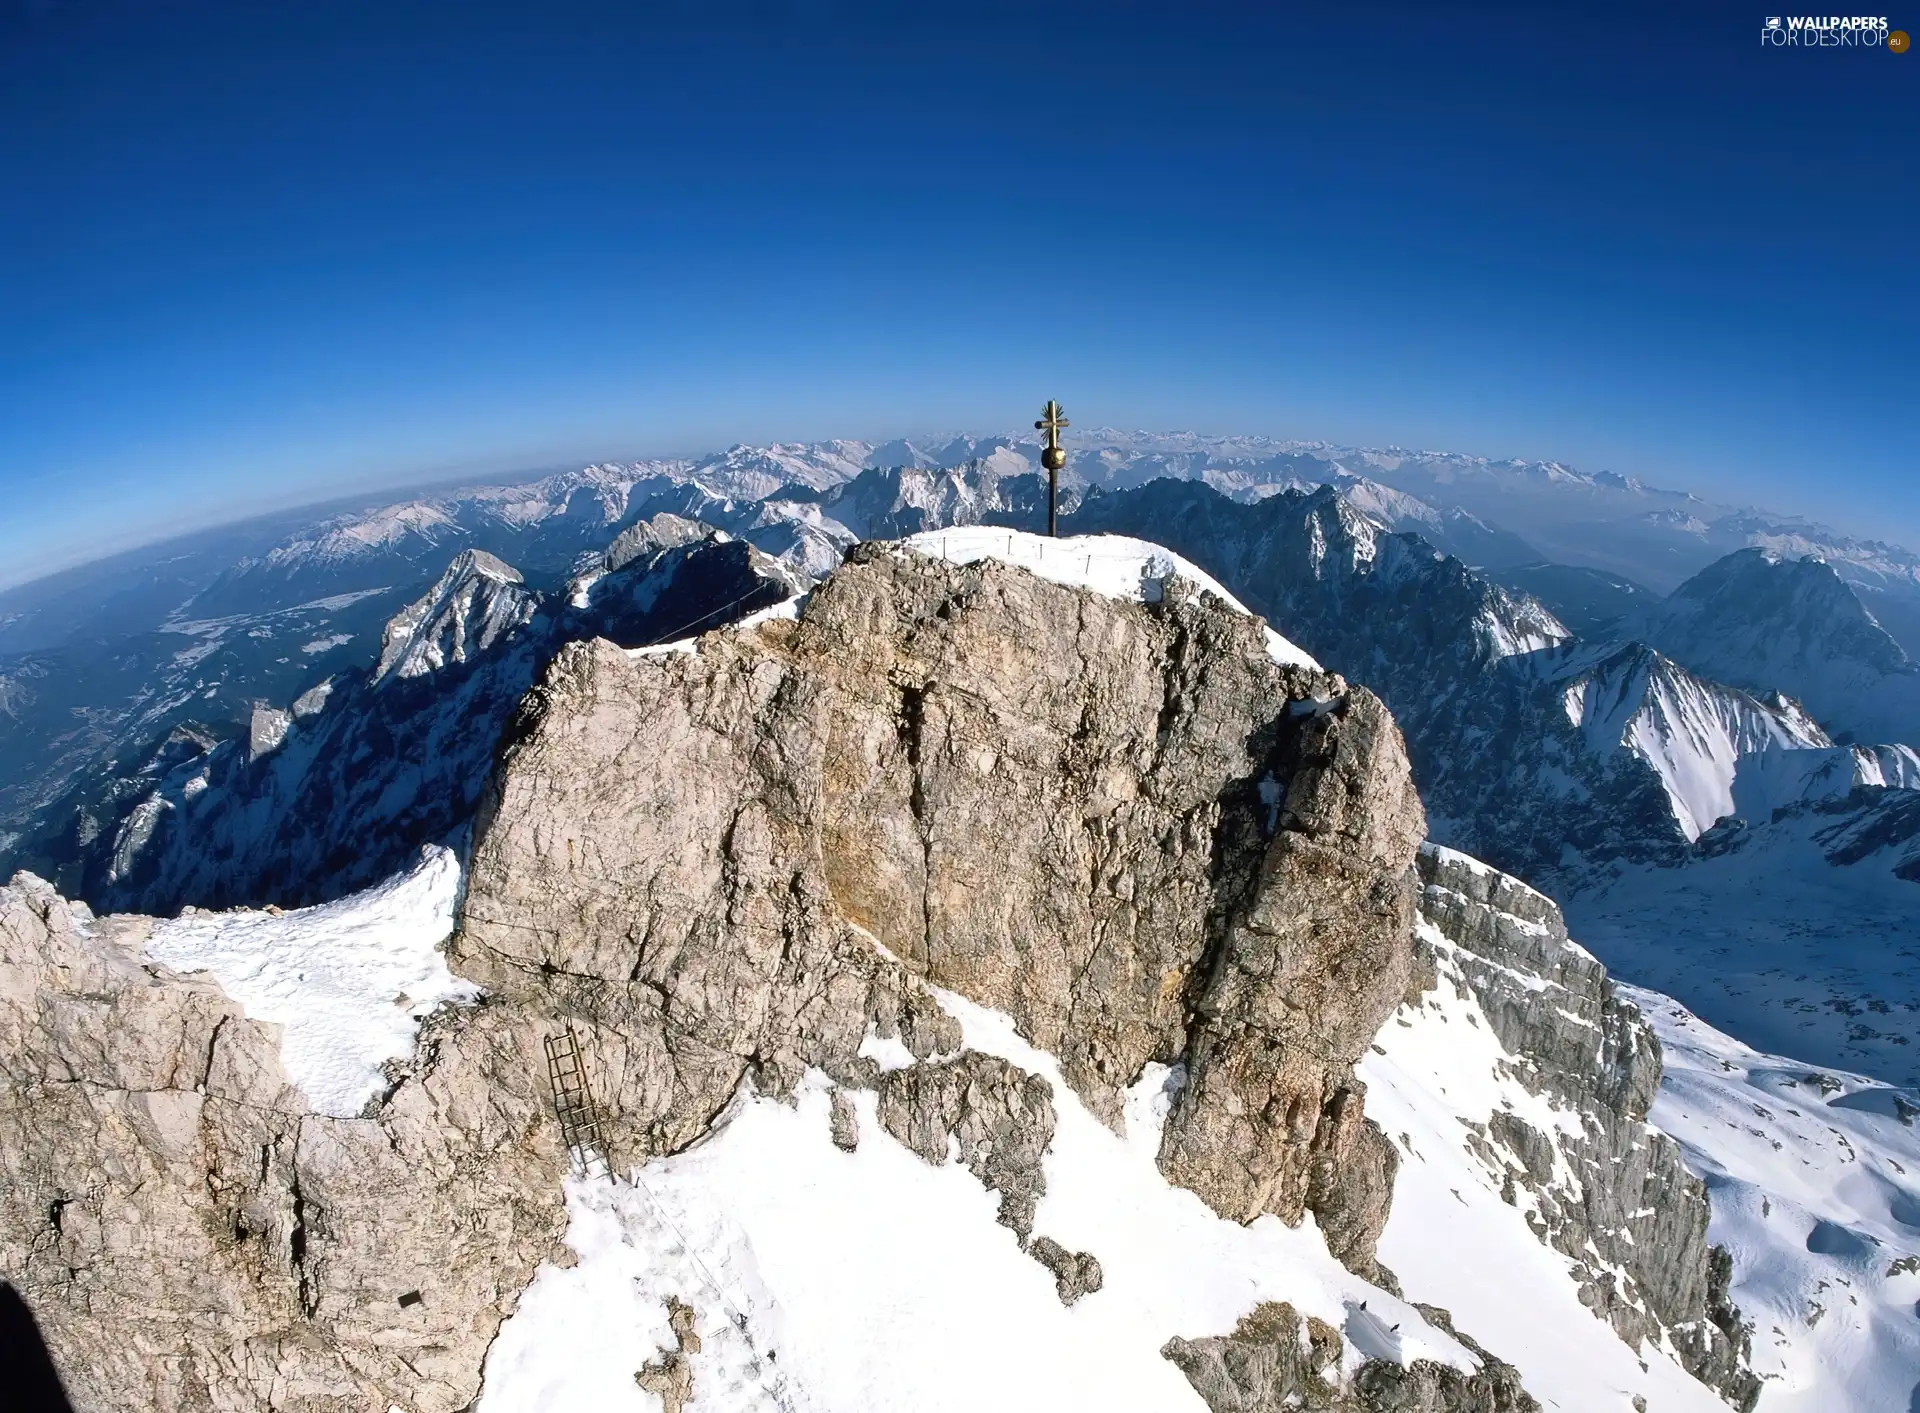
point(1128, 829)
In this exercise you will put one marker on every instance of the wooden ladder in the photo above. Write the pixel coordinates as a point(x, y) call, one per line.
point(573, 1106)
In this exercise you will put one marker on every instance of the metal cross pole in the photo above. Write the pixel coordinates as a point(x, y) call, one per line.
point(1053, 456)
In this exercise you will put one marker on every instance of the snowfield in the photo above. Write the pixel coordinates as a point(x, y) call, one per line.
point(870, 1282)
point(348, 983)
point(1796, 955)
point(1815, 1183)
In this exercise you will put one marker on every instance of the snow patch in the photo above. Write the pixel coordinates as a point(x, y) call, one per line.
point(1111, 565)
point(348, 982)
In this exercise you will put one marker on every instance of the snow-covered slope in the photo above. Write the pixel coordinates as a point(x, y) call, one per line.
point(854, 1280)
point(824, 1266)
point(865, 1281)
point(1785, 779)
point(1439, 1076)
point(1696, 735)
point(348, 983)
point(1815, 1177)
point(1779, 936)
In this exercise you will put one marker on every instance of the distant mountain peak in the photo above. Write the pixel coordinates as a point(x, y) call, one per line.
point(478, 600)
point(1764, 620)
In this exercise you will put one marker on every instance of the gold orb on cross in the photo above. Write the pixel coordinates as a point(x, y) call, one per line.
point(1053, 456)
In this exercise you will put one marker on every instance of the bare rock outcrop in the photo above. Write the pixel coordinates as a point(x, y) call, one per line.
point(1075, 1273)
point(192, 1238)
point(1127, 827)
point(1276, 1361)
point(670, 1376)
point(998, 1118)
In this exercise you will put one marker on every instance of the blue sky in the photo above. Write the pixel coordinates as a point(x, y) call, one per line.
point(254, 254)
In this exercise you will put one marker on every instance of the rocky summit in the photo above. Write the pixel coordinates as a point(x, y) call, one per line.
point(803, 857)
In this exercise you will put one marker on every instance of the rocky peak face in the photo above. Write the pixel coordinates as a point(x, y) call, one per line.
point(1126, 827)
point(190, 1235)
point(669, 578)
point(785, 856)
point(646, 538)
point(478, 601)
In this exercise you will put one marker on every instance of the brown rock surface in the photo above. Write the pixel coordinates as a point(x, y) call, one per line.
point(192, 1238)
point(1124, 826)
point(1276, 1362)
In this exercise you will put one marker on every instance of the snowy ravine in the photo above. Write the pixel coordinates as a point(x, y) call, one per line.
point(1815, 1182)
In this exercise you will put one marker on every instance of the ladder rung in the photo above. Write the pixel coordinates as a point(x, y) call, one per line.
point(573, 1104)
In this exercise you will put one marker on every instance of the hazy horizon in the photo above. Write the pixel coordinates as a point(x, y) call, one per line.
point(256, 257)
point(383, 494)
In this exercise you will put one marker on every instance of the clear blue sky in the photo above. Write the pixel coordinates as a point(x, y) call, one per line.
point(253, 254)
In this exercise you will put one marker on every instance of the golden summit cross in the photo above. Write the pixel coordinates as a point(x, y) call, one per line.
point(1053, 456)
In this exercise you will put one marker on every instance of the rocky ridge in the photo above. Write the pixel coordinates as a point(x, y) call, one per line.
point(1602, 1188)
point(1276, 1360)
point(1126, 827)
point(192, 1237)
point(920, 730)
point(343, 787)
